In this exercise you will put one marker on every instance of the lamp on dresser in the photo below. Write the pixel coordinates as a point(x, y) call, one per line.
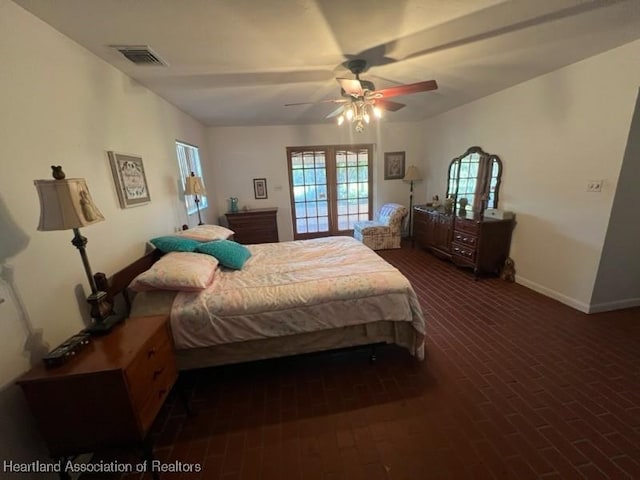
point(195, 187)
point(66, 204)
point(412, 175)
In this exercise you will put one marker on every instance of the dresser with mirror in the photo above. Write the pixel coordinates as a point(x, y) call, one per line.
point(460, 230)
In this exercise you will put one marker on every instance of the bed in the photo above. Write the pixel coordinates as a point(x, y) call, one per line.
point(289, 298)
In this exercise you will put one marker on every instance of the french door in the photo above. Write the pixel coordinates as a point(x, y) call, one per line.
point(330, 188)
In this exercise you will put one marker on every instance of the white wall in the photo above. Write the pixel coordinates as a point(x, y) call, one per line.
point(61, 105)
point(240, 154)
point(618, 281)
point(553, 134)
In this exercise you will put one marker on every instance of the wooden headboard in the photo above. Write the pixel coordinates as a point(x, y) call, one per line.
point(120, 280)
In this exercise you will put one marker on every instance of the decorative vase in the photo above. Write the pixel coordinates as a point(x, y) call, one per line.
point(463, 202)
point(448, 205)
point(233, 204)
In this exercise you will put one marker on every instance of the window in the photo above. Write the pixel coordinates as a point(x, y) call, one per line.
point(330, 189)
point(189, 161)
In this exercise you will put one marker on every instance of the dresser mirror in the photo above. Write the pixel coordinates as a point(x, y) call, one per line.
point(474, 175)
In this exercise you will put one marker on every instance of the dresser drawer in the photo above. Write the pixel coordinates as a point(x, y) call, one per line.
point(465, 238)
point(150, 366)
point(256, 236)
point(253, 227)
point(464, 251)
point(164, 379)
point(468, 226)
point(254, 222)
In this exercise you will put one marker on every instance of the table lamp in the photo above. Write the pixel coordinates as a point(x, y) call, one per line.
point(195, 187)
point(66, 204)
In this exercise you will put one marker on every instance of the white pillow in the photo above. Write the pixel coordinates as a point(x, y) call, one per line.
point(181, 271)
point(207, 233)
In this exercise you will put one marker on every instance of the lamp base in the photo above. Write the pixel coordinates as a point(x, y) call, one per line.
point(104, 326)
point(101, 307)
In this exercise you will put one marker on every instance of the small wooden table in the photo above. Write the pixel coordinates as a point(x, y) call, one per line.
point(107, 396)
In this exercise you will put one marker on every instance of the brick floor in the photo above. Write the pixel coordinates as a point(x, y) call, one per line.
point(515, 386)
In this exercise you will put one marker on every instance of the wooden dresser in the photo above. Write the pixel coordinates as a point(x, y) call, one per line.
point(109, 394)
point(254, 226)
point(433, 230)
point(479, 244)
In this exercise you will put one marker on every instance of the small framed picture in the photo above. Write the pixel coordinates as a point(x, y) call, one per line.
point(260, 188)
point(393, 165)
point(130, 179)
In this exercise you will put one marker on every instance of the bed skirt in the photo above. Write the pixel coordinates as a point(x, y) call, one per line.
point(399, 333)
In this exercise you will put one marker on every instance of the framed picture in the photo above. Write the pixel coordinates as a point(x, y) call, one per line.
point(260, 188)
point(130, 180)
point(393, 165)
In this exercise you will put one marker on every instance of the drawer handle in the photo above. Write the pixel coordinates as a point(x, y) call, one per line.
point(161, 392)
point(151, 353)
point(157, 373)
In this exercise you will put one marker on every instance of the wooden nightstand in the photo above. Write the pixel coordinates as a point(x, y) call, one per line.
point(107, 396)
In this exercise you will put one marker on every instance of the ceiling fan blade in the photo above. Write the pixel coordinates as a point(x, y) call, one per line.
point(336, 112)
point(408, 89)
point(351, 87)
point(389, 105)
point(332, 100)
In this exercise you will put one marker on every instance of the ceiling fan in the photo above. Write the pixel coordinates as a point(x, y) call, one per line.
point(360, 100)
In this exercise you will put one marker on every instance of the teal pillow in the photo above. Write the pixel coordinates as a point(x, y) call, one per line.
point(229, 253)
point(174, 244)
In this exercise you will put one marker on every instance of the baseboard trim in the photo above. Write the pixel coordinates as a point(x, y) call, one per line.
point(616, 305)
point(548, 292)
point(578, 305)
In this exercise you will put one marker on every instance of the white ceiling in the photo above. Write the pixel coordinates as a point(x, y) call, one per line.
point(237, 62)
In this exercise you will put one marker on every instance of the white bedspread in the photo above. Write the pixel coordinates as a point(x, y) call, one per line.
point(294, 287)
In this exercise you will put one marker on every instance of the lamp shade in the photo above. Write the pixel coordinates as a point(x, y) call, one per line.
point(413, 174)
point(194, 186)
point(66, 204)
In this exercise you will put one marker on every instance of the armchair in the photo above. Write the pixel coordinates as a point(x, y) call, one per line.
point(385, 230)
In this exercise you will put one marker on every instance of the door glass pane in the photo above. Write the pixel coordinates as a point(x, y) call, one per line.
point(350, 181)
point(309, 180)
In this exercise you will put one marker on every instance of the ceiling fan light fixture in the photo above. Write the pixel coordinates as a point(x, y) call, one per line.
point(358, 97)
point(349, 114)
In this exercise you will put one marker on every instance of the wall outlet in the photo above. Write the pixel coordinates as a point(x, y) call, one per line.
point(594, 185)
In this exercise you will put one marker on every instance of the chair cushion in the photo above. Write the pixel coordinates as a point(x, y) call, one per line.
point(371, 227)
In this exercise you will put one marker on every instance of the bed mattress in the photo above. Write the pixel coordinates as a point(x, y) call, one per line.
point(291, 288)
